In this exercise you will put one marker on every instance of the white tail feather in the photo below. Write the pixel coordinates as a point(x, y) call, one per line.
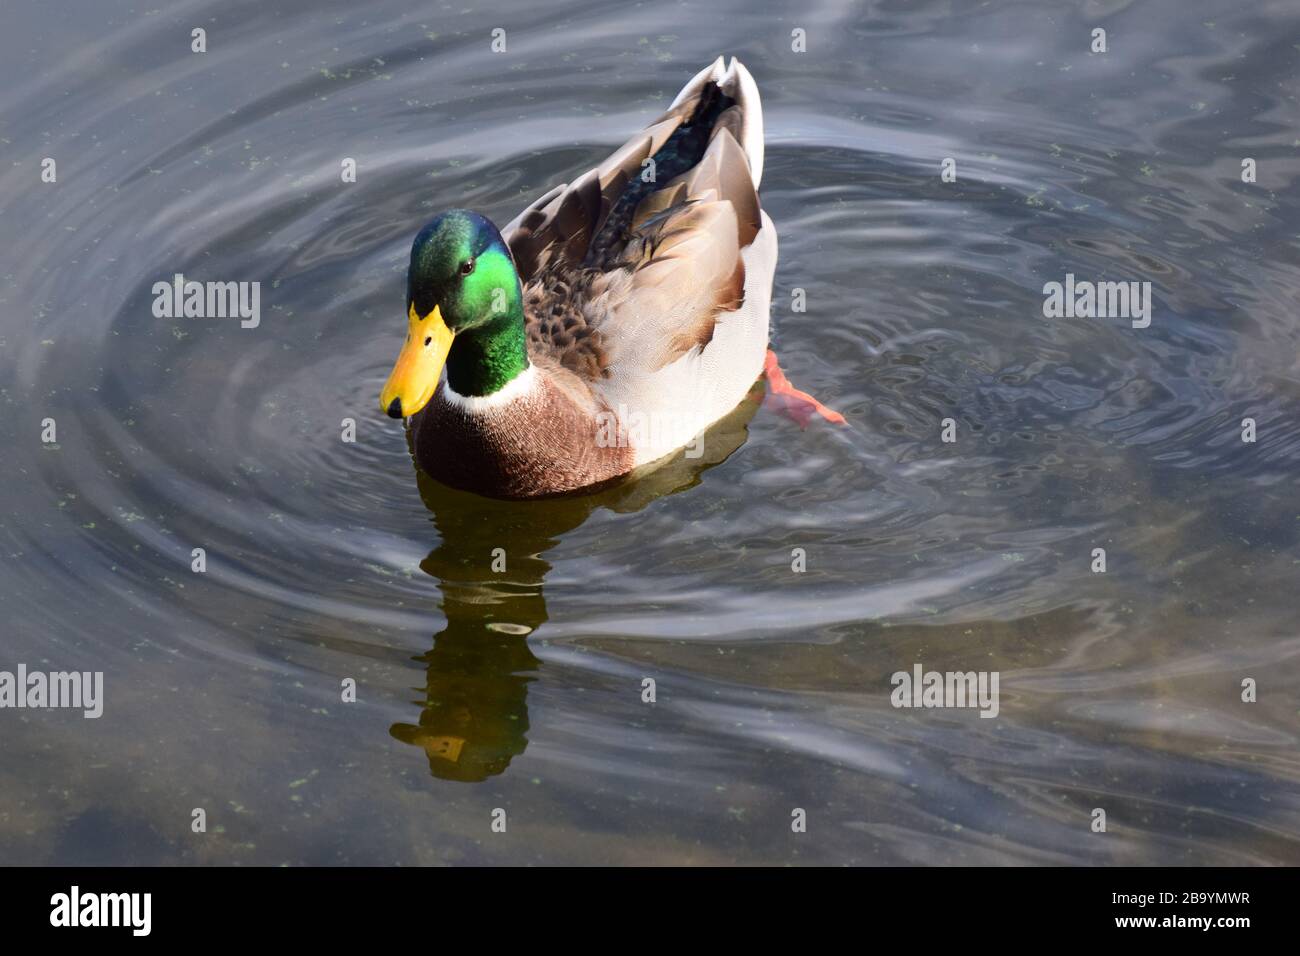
point(734, 80)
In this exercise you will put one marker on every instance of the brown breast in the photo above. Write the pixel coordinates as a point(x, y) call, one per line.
point(545, 443)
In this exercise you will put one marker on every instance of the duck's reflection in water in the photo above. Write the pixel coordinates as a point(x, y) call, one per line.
point(490, 568)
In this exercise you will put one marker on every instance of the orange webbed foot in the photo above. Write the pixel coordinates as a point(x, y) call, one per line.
point(790, 401)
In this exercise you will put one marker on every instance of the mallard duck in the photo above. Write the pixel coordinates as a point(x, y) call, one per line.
point(610, 323)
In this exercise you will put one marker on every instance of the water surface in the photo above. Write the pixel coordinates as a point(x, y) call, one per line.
point(522, 690)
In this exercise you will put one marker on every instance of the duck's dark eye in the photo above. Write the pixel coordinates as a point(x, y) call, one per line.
point(467, 267)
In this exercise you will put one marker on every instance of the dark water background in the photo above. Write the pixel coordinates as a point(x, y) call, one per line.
point(325, 560)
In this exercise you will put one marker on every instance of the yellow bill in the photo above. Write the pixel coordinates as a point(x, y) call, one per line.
point(448, 748)
point(415, 376)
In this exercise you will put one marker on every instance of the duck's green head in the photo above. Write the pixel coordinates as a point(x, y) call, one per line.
point(464, 310)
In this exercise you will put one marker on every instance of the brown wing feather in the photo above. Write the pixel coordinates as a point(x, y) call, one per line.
point(724, 173)
point(685, 251)
point(676, 268)
point(559, 227)
point(561, 327)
